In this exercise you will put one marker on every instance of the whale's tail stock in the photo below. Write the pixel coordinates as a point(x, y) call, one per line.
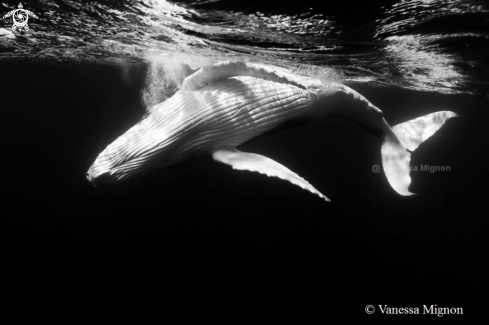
point(400, 140)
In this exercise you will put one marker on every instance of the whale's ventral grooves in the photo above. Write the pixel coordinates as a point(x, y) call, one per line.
point(192, 123)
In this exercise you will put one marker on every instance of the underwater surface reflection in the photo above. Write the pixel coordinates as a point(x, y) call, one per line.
point(432, 45)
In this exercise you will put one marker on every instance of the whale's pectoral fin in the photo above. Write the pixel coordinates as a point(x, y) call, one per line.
point(403, 138)
point(258, 163)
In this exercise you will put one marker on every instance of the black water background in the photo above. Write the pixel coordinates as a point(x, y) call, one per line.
point(205, 242)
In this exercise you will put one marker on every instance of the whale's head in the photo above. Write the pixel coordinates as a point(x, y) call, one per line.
point(131, 154)
point(164, 137)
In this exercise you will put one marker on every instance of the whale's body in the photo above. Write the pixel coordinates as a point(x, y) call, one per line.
point(224, 105)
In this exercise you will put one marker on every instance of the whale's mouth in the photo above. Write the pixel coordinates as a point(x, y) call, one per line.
point(105, 173)
point(99, 178)
point(111, 166)
point(103, 179)
point(90, 177)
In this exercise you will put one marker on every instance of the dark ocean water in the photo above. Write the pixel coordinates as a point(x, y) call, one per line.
point(202, 242)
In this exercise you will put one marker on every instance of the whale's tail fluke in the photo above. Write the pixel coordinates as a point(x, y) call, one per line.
point(403, 138)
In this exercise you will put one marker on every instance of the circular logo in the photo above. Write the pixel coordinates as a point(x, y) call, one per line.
point(20, 18)
point(369, 309)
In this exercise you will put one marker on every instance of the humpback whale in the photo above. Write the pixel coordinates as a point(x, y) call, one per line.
point(223, 105)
